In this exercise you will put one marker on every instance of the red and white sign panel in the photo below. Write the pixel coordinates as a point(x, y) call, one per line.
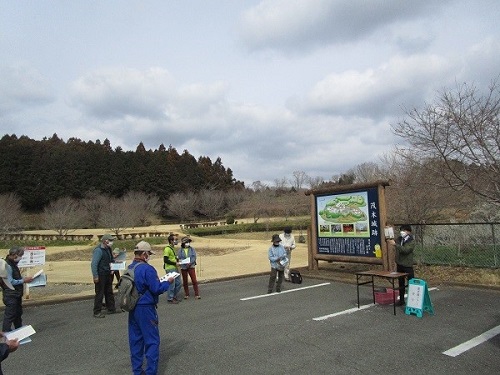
point(33, 256)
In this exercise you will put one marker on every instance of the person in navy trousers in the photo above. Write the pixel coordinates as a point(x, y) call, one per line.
point(143, 331)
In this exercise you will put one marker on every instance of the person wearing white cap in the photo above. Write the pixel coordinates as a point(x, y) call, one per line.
point(13, 290)
point(143, 331)
point(103, 276)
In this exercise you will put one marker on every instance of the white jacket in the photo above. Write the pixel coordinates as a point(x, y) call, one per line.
point(287, 241)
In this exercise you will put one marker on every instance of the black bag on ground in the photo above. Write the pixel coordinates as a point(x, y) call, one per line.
point(295, 277)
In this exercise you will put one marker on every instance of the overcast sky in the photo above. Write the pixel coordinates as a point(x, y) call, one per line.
point(271, 87)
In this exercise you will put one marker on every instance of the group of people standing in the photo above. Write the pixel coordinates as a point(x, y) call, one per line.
point(143, 331)
point(184, 260)
point(280, 255)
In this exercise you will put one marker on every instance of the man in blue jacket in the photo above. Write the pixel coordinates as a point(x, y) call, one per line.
point(143, 332)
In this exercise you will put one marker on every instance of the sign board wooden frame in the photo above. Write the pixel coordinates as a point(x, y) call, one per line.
point(347, 225)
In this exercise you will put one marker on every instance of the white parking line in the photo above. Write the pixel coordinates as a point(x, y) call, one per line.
point(350, 311)
point(283, 292)
point(483, 337)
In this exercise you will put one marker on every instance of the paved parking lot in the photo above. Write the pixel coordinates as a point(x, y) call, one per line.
point(312, 328)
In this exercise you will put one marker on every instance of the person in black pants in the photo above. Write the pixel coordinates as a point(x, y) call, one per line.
point(103, 276)
point(13, 289)
point(404, 246)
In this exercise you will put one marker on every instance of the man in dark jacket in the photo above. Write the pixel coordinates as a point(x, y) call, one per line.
point(13, 290)
point(103, 276)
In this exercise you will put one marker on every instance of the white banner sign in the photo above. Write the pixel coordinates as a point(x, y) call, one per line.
point(33, 256)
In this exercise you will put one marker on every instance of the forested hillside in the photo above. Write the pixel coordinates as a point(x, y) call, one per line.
point(40, 172)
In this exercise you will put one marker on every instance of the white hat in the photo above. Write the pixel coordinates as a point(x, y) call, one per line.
point(4, 275)
point(143, 246)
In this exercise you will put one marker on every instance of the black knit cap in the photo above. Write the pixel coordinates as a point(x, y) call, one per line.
point(405, 227)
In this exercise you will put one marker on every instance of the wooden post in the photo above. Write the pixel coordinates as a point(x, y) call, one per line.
point(386, 253)
point(312, 237)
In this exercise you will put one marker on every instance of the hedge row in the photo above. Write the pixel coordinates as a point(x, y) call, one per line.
point(272, 226)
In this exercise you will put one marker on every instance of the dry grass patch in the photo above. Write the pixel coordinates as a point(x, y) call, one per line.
point(86, 254)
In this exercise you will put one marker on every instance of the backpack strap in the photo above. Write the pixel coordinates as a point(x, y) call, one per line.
point(133, 269)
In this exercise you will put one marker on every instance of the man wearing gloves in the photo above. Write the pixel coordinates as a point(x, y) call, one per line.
point(143, 332)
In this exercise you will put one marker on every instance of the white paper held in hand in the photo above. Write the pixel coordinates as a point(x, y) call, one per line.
point(38, 273)
point(20, 333)
point(118, 266)
point(40, 280)
point(185, 261)
point(168, 275)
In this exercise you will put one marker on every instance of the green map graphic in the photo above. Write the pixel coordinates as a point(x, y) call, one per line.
point(344, 209)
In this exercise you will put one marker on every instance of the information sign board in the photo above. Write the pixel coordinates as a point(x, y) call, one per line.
point(33, 256)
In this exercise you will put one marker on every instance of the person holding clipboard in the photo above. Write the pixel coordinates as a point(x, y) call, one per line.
point(404, 248)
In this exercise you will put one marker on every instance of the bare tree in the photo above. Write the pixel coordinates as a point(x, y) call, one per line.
point(141, 207)
point(413, 197)
point(257, 205)
point(233, 197)
point(292, 204)
point(315, 182)
point(62, 215)
point(10, 212)
point(182, 205)
point(485, 212)
point(367, 172)
point(280, 183)
point(118, 215)
point(344, 179)
point(210, 203)
point(93, 204)
point(258, 186)
point(458, 138)
point(299, 179)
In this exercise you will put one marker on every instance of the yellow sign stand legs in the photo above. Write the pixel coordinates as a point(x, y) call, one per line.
point(418, 299)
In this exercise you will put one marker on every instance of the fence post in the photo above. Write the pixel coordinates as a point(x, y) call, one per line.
point(495, 256)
